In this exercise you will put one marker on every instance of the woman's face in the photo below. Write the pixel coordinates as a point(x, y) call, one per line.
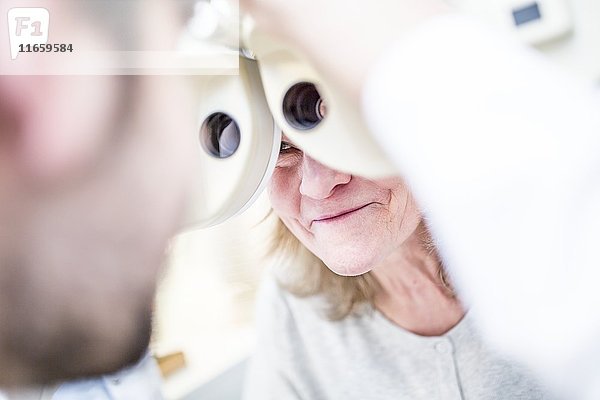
point(350, 223)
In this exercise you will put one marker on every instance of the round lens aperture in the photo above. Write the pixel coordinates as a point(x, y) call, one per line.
point(220, 135)
point(303, 107)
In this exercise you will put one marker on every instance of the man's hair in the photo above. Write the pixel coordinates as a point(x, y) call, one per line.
point(117, 21)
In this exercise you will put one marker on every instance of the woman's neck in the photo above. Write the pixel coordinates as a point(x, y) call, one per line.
point(414, 294)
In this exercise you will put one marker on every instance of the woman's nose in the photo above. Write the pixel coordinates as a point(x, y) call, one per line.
point(319, 181)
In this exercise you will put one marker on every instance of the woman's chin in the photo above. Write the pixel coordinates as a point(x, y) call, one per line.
point(350, 268)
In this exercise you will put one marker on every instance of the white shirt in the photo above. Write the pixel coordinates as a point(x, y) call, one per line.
point(139, 382)
point(303, 355)
point(502, 149)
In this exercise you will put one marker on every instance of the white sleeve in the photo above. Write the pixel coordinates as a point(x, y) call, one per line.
point(502, 150)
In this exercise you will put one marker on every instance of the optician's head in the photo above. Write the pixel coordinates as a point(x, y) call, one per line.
point(350, 223)
point(93, 174)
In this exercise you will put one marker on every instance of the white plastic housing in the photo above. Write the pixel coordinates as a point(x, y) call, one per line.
point(341, 141)
point(226, 187)
point(567, 31)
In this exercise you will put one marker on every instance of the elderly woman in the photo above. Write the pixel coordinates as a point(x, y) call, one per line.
point(363, 309)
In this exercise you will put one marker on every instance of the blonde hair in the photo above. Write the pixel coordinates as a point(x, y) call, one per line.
point(303, 274)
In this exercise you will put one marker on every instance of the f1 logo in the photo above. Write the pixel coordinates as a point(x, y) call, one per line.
point(27, 26)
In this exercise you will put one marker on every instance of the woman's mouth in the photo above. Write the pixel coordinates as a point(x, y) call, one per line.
point(339, 216)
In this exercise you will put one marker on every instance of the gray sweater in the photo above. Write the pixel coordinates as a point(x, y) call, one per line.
point(302, 355)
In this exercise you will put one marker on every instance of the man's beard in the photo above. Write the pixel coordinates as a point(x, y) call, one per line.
point(79, 261)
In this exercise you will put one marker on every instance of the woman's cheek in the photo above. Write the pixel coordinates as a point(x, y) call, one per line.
point(396, 185)
point(281, 192)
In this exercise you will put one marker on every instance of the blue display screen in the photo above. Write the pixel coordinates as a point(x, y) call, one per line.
point(527, 14)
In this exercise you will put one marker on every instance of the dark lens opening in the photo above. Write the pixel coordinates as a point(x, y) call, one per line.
point(303, 106)
point(220, 135)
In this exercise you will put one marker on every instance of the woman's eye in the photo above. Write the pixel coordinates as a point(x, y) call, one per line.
point(289, 155)
point(286, 147)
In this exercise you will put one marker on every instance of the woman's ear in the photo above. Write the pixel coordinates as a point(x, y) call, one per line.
point(52, 126)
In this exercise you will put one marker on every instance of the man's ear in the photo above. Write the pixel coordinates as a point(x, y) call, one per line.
point(55, 125)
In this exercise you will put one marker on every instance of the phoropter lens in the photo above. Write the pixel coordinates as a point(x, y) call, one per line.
point(220, 135)
point(303, 107)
